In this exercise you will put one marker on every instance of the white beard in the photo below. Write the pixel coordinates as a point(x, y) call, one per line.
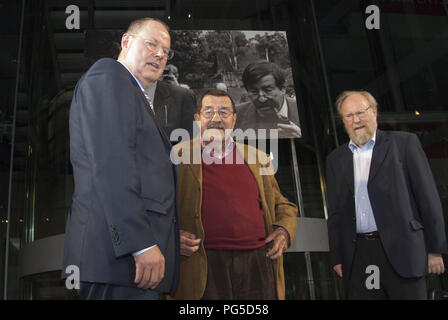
point(361, 139)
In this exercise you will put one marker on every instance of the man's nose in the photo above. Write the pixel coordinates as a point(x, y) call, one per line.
point(356, 118)
point(216, 117)
point(158, 52)
point(261, 96)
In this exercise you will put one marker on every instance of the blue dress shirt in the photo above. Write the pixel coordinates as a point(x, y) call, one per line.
point(362, 157)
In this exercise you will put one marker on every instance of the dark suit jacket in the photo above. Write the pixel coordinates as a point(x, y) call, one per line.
point(124, 198)
point(404, 200)
point(174, 107)
point(247, 117)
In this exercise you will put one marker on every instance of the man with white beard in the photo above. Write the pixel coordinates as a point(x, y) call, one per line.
point(385, 224)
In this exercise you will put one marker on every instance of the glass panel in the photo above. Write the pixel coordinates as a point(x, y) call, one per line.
point(402, 64)
point(47, 286)
point(296, 282)
point(328, 286)
point(10, 16)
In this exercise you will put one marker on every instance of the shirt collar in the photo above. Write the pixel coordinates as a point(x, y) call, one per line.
point(283, 111)
point(216, 153)
point(151, 91)
point(138, 82)
point(369, 145)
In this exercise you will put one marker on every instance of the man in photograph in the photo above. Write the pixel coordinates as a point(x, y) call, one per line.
point(269, 106)
point(173, 104)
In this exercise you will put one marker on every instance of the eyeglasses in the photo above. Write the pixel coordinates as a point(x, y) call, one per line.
point(359, 114)
point(154, 47)
point(267, 92)
point(224, 113)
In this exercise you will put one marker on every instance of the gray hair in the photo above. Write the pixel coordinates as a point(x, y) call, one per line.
point(345, 94)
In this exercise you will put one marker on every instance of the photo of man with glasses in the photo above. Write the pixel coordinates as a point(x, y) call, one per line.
point(173, 104)
point(269, 106)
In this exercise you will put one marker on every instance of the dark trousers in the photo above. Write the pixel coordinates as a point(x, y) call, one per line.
point(102, 291)
point(239, 275)
point(391, 284)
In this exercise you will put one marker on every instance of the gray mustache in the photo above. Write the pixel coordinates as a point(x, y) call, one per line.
point(216, 125)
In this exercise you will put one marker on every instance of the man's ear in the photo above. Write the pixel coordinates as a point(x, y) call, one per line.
point(125, 41)
point(197, 117)
point(283, 90)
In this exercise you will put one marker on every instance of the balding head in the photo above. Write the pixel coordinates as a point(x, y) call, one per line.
point(144, 49)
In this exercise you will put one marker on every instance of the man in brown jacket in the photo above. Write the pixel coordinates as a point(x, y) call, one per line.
point(235, 224)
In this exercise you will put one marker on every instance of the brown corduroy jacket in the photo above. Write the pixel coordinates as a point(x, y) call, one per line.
point(278, 211)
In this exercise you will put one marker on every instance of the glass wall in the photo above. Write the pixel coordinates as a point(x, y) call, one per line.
point(402, 63)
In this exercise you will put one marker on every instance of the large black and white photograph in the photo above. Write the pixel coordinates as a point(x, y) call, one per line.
point(252, 66)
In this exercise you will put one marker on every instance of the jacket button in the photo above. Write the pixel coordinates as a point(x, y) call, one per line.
point(353, 240)
point(354, 218)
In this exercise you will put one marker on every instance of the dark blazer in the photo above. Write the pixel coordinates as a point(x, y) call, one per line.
point(248, 118)
point(404, 199)
point(124, 198)
point(174, 107)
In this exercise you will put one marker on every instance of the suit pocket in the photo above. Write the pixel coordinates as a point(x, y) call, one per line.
point(415, 225)
point(154, 205)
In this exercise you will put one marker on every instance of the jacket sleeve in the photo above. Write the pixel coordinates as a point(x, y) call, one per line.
point(426, 196)
point(188, 110)
point(285, 212)
point(333, 215)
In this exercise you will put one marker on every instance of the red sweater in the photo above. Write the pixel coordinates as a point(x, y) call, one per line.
point(231, 207)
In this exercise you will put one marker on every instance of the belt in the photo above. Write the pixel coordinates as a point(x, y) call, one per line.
point(368, 236)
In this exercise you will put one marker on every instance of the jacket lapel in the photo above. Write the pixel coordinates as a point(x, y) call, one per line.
point(160, 97)
point(254, 169)
point(195, 164)
point(148, 109)
point(379, 153)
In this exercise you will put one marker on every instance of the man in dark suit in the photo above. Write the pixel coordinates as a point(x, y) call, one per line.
point(174, 107)
point(122, 231)
point(386, 226)
point(269, 107)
